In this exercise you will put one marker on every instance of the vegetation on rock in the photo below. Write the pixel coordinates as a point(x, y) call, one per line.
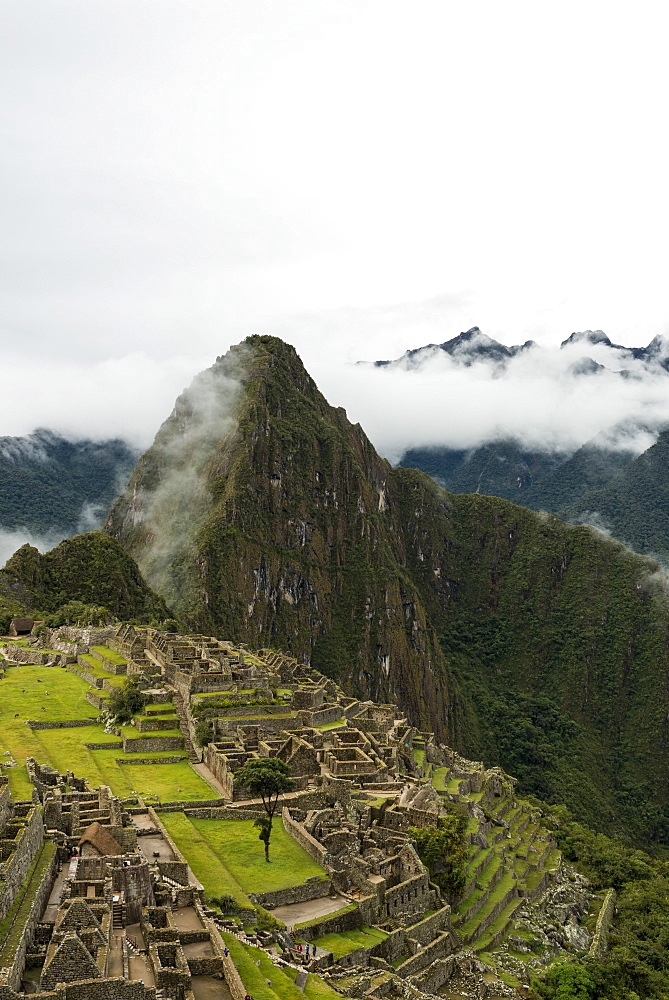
point(443, 849)
point(126, 701)
point(91, 570)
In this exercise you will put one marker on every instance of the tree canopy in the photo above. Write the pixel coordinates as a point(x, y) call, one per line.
point(266, 778)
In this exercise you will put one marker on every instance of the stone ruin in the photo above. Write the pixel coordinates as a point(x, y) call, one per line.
point(362, 779)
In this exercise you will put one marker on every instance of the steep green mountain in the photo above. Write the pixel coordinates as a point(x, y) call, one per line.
point(634, 504)
point(500, 468)
point(540, 480)
point(91, 568)
point(261, 512)
point(589, 468)
point(50, 484)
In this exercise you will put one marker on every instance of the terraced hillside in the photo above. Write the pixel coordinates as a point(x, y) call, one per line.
point(514, 870)
point(348, 876)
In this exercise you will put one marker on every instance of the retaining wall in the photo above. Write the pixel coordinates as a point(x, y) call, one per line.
point(604, 920)
point(441, 947)
point(332, 923)
point(27, 843)
point(308, 843)
point(313, 889)
point(72, 724)
point(151, 744)
point(11, 976)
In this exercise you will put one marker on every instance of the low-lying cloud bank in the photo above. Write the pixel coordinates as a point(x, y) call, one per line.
point(127, 397)
point(547, 398)
point(10, 541)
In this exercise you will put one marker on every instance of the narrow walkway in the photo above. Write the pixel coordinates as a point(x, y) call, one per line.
point(53, 903)
point(204, 771)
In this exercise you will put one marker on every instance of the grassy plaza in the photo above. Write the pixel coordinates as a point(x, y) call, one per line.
point(56, 694)
point(227, 856)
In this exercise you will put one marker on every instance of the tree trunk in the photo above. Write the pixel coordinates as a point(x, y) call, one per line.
point(269, 834)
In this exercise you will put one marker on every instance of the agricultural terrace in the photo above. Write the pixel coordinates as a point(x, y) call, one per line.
point(348, 941)
point(56, 694)
point(264, 981)
point(227, 856)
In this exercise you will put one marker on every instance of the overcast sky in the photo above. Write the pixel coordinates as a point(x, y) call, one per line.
point(358, 177)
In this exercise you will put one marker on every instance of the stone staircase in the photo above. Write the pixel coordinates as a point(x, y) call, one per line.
point(118, 915)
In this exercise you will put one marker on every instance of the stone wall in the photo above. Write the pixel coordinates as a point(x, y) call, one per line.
point(109, 665)
point(96, 700)
point(124, 761)
point(441, 947)
point(425, 930)
point(13, 870)
point(210, 965)
point(102, 989)
point(81, 670)
point(28, 655)
point(218, 766)
point(320, 717)
point(604, 920)
point(409, 897)
point(150, 723)
point(72, 724)
point(314, 888)
point(223, 813)
point(11, 976)
point(347, 919)
point(191, 804)
point(308, 843)
point(151, 744)
point(175, 870)
point(5, 801)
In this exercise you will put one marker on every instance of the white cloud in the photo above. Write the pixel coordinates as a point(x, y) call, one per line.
point(537, 400)
point(127, 397)
point(10, 541)
point(174, 174)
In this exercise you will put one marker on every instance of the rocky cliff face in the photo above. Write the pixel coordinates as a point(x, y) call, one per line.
point(537, 644)
point(286, 535)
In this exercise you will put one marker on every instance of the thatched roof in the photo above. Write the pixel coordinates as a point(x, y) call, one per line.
point(21, 626)
point(100, 839)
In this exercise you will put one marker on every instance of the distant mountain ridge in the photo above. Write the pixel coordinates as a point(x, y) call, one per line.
point(474, 346)
point(605, 482)
point(613, 489)
point(49, 484)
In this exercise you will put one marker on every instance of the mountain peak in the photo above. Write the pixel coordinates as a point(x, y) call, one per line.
point(587, 337)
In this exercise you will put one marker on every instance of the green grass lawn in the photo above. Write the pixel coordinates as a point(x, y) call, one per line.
point(348, 941)
point(23, 693)
point(332, 725)
point(227, 856)
point(132, 733)
point(256, 968)
point(437, 778)
point(93, 666)
point(315, 988)
point(110, 654)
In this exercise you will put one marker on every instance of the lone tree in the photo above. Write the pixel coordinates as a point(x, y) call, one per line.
point(266, 777)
